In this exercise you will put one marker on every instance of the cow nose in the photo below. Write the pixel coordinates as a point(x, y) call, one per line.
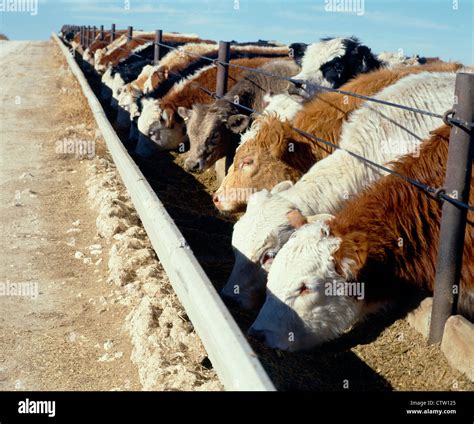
point(216, 199)
point(191, 166)
point(257, 334)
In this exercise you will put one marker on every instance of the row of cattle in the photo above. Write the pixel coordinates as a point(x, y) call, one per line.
point(326, 238)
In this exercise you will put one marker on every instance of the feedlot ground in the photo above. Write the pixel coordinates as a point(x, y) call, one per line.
point(384, 354)
point(53, 342)
point(91, 327)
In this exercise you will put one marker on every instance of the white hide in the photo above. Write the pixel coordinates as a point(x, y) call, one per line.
point(392, 59)
point(117, 85)
point(107, 78)
point(150, 108)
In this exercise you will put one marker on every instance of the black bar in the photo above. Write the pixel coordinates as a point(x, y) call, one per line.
point(453, 220)
point(222, 70)
point(158, 49)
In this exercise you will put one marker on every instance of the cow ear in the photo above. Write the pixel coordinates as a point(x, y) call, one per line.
point(281, 186)
point(238, 123)
point(351, 256)
point(296, 219)
point(184, 112)
point(163, 72)
point(168, 114)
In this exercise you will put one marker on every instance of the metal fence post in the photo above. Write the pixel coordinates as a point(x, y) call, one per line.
point(223, 164)
point(129, 33)
point(453, 221)
point(94, 33)
point(89, 30)
point(82, 35)
point(112, 33)
point(158, 49)
point(102, 33)
point(222, 70)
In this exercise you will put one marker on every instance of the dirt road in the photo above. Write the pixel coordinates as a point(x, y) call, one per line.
point(63, 332)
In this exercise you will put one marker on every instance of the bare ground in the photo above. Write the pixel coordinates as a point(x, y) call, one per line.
point(72, 335)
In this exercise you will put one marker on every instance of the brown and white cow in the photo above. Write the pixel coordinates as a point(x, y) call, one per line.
point(98, 44)
point(334, 272)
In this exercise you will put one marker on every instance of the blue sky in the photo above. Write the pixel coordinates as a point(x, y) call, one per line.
point(426, 27)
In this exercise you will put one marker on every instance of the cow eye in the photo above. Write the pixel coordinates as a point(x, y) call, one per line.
point(267, 257)
point(304, 290)
point(245, 162)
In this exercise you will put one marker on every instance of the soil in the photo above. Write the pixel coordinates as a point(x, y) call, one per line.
point(104, 316)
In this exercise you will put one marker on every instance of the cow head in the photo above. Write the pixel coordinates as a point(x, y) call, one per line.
point(331, 63)
point(258, 235)
point(261, 162)
point(305, 305)
point(128, 97)
point(162, 127)
point(212, 129)
point(159, 74)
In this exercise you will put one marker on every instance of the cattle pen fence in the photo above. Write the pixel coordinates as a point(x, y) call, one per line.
point(454, 193)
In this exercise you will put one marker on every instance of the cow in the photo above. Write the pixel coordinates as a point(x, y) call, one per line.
point(160, 121)
point(214, 130)
point(336, 271)
point(330, 63)
point(378, 132)
point(292, 154)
